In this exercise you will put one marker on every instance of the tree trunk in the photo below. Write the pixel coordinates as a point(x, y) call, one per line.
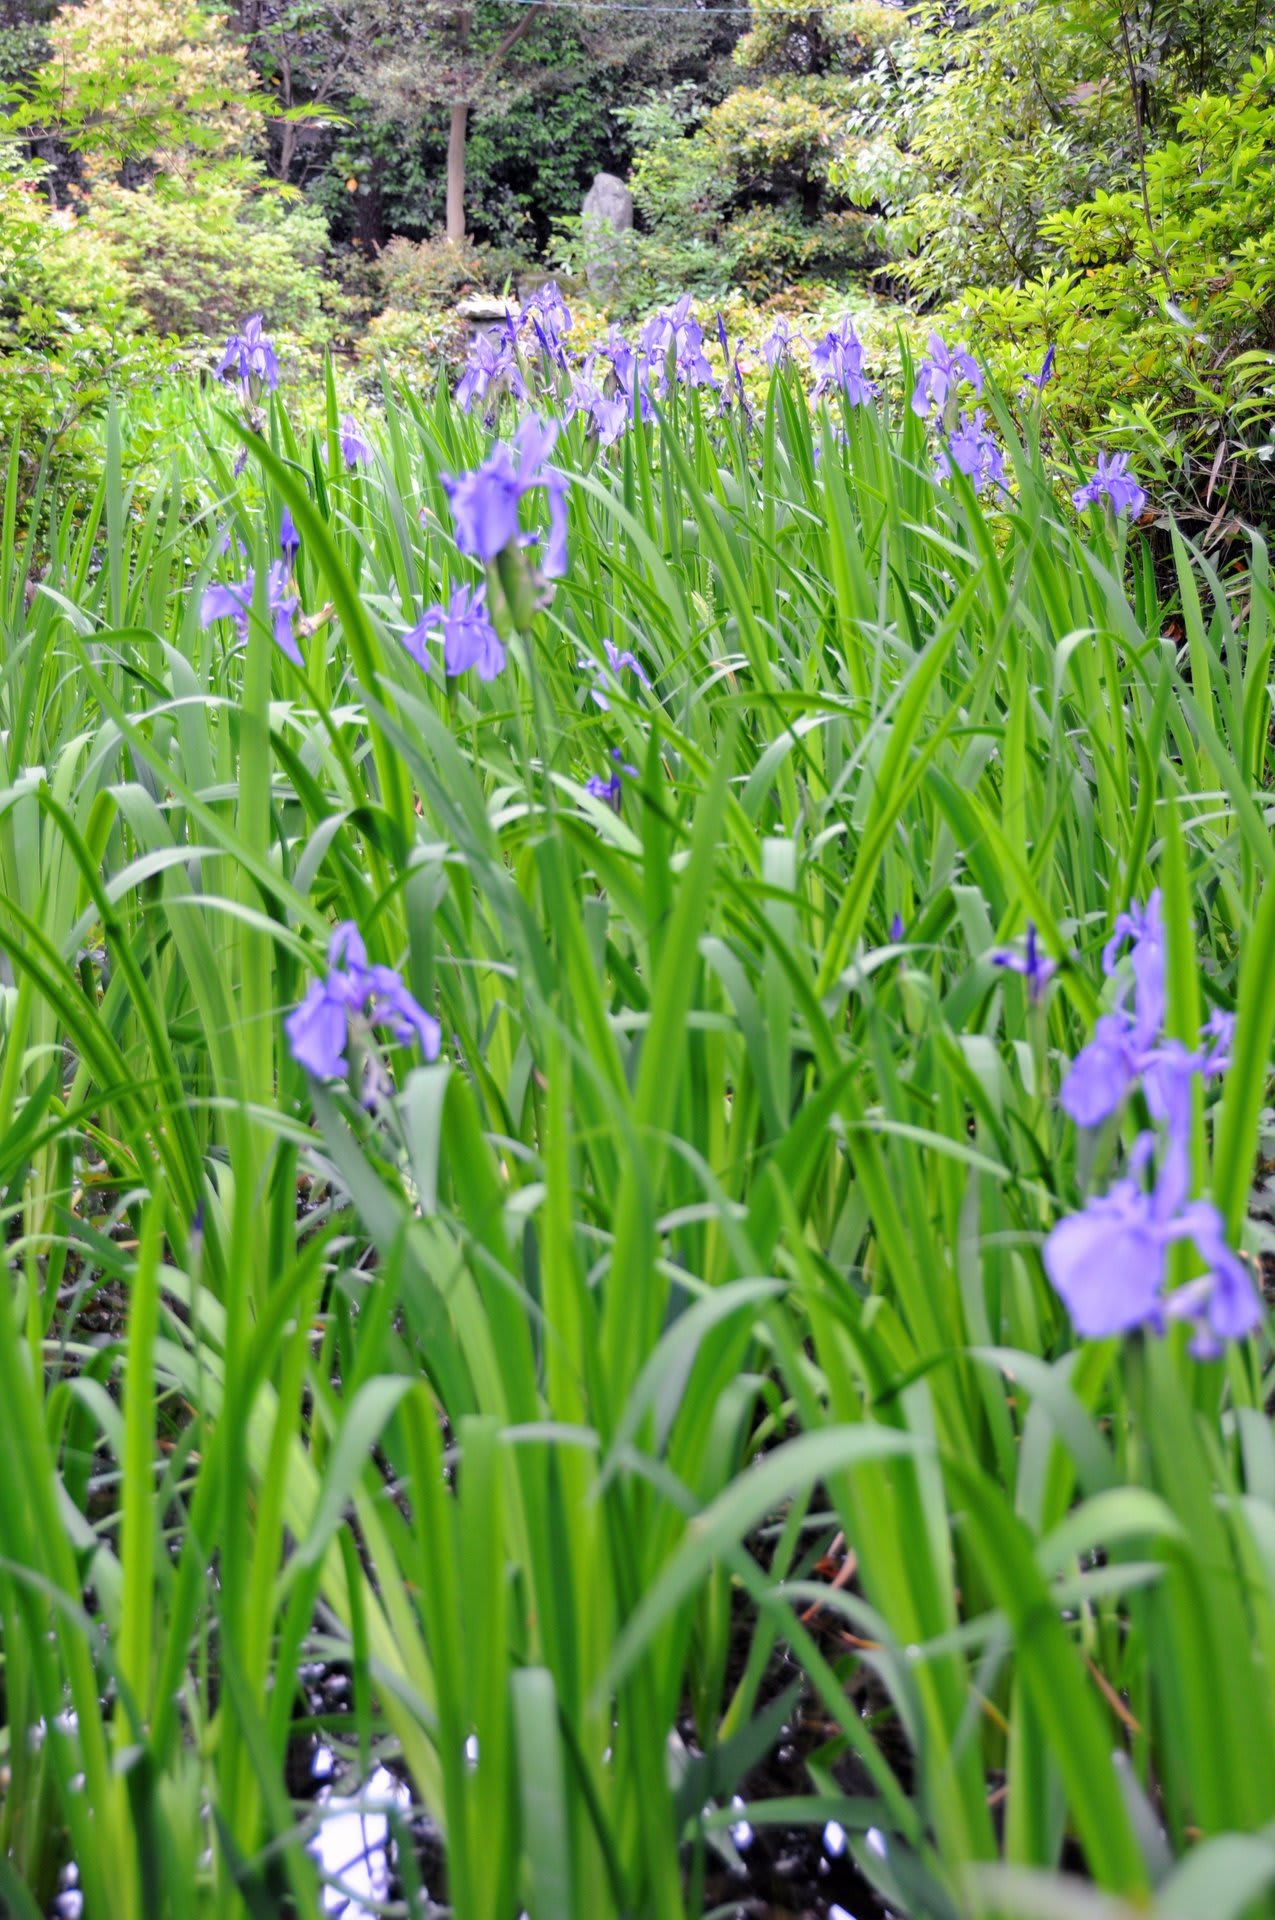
point(456, 170)
point(460, 110)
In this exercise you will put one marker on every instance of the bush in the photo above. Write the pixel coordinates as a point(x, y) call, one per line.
point(770, 247)
point(413, 344)
point(430, 275)
point(69, 331)
point(196, 265)
point(1167, 330)
point(1026, 109)
point(771, 141)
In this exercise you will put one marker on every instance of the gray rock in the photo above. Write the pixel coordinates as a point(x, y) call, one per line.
point(608, 203)
point(606, 221)
point(484, 309)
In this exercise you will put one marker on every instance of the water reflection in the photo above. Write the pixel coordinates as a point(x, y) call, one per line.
point(352, 1845)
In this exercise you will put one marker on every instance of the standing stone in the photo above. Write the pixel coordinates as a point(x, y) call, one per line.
point(609, 200)
point(607, 215)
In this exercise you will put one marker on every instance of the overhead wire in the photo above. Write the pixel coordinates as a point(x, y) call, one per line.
point(707, 12)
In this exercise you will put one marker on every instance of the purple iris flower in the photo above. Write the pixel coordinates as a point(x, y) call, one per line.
point(616, 350)
point(973, 451)
point(492, 360)
point(635, 385)
point(735, 369)
point(1102, 1072)
point(618, 660)
point(469, 639)
point(608, 413)
point(354, 997)
point(1125, 1041)
point(677, 330)
point(1223, 1303)
point(232, 600)
point(896, 929)
point(549, 317)
point(1217, 1034)
point(1112, 481)
point(582, 392)
point(1143, 927)
point(1040, 380)
point(355, 450)
point(776, 348)
point(1108, 1262)
point(609, 789)
point(610, 416)
point(838, 363)
point(1036, 968)
point(940, 373)
point(289, 538)
point(484, 501)
point(250, 356)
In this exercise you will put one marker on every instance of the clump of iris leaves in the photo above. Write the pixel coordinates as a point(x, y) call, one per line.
point(636, 1023)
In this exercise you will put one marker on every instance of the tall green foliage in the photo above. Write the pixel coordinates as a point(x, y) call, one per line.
point(534, 1391)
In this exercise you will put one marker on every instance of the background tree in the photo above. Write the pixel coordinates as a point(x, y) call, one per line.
point(151, 84)
point(742, 190)
point(423, 59)
point(1068, 98)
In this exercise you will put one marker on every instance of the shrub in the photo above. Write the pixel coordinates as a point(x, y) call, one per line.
point(197, 264)
point(770, 247)
point(412, 344)
point(69, 331)
point(430, 274)
point(134, 78)
point(1167, 329)
point(1028, 108)
point(765, 139)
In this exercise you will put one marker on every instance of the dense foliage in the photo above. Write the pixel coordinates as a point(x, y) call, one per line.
point(636, 1037)
point(1166, 328)
point(628, 1151)
point(1088, 177)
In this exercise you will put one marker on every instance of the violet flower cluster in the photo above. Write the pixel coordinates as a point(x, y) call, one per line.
point(1113, 482)
point(942, 371)
point(350, 1002)
point(484, 501)
point(609, 790)
point(618, 660)
point(492, 368)
point(777, 347)
point(548, 317)
point(616, 381)
point(673, 341)
point(1109, 1261)
point(972, 450)
point(608, 413)
point(469, 638)
point(250, 357)
point(232, 599)
point(838, 363)
point(355, 449)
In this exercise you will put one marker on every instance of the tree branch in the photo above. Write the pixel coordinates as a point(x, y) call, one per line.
point(511, 39)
